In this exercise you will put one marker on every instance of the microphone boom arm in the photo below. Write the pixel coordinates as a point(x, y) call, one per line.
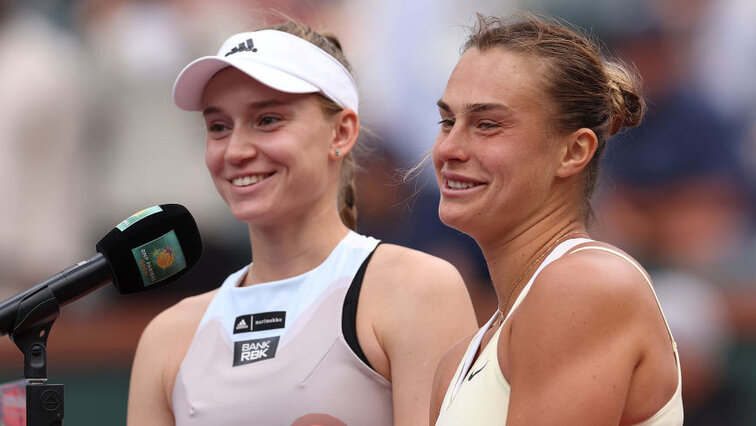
point(66, 287)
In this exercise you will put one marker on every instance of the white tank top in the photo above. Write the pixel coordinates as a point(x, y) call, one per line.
point(478, 394)
point(274, 353)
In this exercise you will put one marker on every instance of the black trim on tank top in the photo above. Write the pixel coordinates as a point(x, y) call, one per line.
point(349, 311)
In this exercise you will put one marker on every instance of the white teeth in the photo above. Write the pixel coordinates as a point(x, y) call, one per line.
point(248, 180)
point(460, 185)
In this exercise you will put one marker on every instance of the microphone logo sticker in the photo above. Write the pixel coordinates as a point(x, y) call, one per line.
point(159, 259)
point(137, 216)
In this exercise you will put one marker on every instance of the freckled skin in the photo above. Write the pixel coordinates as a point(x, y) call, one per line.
point(590, 320)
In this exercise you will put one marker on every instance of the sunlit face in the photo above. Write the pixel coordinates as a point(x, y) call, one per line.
point(494, 155)
point(267, 151)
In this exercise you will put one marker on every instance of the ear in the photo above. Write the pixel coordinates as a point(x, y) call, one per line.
point(577, 151)
point(346, 130)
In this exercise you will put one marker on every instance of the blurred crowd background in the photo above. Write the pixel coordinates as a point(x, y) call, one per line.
point(89, 135)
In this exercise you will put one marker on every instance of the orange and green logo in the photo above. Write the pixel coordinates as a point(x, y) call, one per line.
point(159, 259)
point(164, 257)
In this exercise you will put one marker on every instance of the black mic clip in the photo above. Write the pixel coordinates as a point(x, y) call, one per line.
point(36, 315)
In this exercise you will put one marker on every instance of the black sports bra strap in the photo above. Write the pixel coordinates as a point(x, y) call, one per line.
point(349, 311)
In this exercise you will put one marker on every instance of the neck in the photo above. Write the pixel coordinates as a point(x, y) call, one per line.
point(289, 249)
point(514, 259)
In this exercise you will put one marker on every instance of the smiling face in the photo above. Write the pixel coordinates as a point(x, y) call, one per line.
point(267, 151)
point(495, 155)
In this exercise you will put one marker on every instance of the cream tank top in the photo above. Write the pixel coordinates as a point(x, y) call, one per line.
point(480, 396)
point(274, 353)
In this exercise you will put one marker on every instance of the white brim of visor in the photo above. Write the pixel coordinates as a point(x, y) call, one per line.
point(276, 59)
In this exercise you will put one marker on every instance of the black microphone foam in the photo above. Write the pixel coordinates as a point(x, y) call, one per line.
point(151, 248)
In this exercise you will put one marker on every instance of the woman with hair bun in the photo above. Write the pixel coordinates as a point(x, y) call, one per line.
point(326, 326)
point(578, 337)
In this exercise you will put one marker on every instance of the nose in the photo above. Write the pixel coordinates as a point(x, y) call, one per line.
point(241, 147)
point(452, 145)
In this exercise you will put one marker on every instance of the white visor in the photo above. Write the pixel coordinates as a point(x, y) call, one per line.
point(276, 59)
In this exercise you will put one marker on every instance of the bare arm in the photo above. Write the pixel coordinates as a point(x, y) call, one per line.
point(148, 402)
point(161, 349)
point(577, 341)
point(419, 307)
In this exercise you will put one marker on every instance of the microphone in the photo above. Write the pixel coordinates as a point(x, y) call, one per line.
point(148, 250)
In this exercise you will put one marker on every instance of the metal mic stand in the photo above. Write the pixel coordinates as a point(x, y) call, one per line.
point(36, 314)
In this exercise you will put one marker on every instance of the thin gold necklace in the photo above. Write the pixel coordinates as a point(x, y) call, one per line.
point(530, 268)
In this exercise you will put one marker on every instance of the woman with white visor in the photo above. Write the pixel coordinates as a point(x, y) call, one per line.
point(326, 326)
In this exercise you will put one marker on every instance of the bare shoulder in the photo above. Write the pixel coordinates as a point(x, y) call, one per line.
point(408, 293)
point(415, 269)
point(590, 296)
point(183, 316)
point(406, 284)
point(594, 273)
point(413, 306)
point(590, 322)
point(161, 349)
point(168, 336)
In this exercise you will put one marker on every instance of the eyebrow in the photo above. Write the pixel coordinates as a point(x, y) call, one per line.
point(442, 105)
point(252, 105)
point(477, 107)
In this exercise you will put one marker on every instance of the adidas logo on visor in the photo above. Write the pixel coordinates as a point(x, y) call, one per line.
point(249, 46)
